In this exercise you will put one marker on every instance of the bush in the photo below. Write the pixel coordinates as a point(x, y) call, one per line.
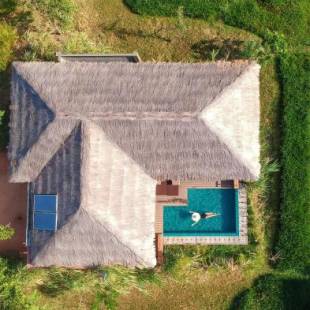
point(11, 294)
point(7, 40)
point(294, 237)
point(276, 291)
point(6, 232)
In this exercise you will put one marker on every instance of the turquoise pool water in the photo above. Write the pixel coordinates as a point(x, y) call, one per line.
point(178, 222)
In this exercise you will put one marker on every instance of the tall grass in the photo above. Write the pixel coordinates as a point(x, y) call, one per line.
point(294, 236)
point(60, 12)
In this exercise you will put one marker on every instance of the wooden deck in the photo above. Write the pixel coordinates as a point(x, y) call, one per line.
point(181, 200)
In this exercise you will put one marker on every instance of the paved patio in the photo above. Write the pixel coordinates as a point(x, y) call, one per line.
point(13, 209)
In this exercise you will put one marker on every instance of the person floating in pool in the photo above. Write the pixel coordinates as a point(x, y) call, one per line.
point(196, 216)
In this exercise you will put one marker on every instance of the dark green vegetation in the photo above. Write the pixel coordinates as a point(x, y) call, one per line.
point(294, 235)
point(209, 277)
point(288, 16)
point(276, 291)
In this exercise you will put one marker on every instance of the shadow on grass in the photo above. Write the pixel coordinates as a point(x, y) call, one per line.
point(17, 18)
point(275, 291)
point(59, 281)
point(122, 32)
point(219, 49)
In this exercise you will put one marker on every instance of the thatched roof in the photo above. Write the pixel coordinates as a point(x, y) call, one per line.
point(139, 123)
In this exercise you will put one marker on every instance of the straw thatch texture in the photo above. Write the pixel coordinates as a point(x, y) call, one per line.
point(85, 89)
point(118, 193)
point(238, 127)
point(99, 135)
point(29, 117)
point(175, 150)
point(103, 197)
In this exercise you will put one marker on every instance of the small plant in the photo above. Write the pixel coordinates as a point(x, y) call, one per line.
point(180, 15)
point(214, 54)
point(277, 43)
point(6, 232)
point(256, 50)
point(1, 116)
point(79, 42)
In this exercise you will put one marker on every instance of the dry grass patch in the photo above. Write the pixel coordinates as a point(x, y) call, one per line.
point(213, 289)
point(155, 38)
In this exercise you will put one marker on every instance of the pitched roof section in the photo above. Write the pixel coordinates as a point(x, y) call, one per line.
point(234, 118)
point(118, 193)
point(106, 205)
point(174, 149)
point(29, 117)
point(90, 89)
point(175, 120)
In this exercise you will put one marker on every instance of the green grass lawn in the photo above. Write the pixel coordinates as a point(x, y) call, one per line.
point(194, 277)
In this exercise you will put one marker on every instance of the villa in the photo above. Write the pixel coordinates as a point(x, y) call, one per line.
point(117, 153)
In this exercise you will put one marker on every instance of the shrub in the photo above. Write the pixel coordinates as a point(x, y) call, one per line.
point(11, 294)
point(7, 40)
point(294, 237)
point(6, 232)
point(276, 291)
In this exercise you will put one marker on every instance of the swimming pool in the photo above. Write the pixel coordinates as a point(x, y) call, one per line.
point(178, 222)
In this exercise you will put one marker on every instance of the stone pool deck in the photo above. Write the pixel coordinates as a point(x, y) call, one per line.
point(182, 198)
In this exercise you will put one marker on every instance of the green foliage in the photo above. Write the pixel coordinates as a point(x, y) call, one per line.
point(117, 280)
point(1, 116)
point(289, 18)
point(60, 12)
point(79, 42)
point(7, 7)
point(40, 45)
point(295, 213)
point(59, 281)
point(205, 256)
point(276, 291)
point(6, 232)
point(7, 40)
point(12, 297)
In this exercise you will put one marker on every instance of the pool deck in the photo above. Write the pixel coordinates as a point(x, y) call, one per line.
point(181, 199)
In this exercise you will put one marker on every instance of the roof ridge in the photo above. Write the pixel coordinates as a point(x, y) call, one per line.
point(229, 87)
point(111, 232)
point(233, 146)
point(30, 162)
